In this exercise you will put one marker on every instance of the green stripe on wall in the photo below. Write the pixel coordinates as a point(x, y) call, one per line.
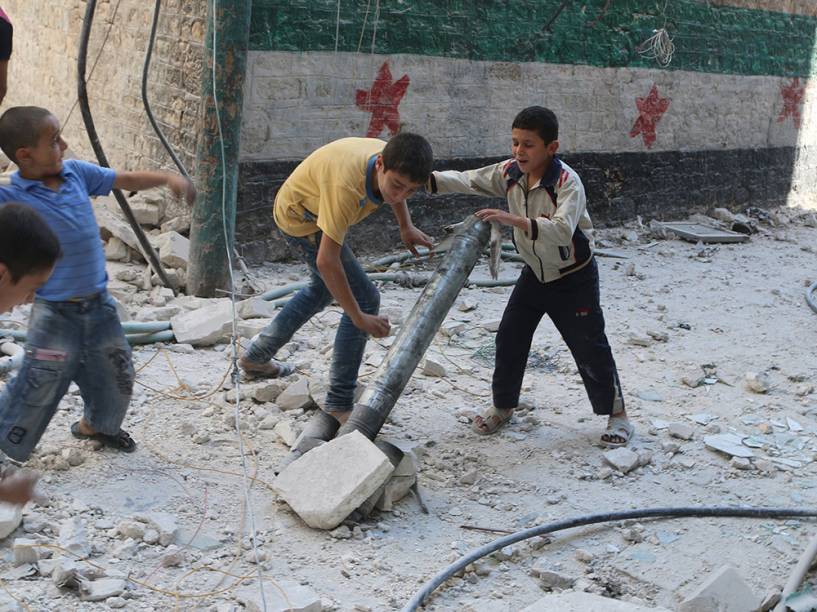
point(714, 39)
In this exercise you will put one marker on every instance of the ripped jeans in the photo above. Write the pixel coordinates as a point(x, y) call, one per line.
point(79, 341)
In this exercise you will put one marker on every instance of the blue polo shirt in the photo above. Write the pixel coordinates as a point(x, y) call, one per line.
point(81, 269)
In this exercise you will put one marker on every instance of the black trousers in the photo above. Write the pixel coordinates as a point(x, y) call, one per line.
point(572, 303)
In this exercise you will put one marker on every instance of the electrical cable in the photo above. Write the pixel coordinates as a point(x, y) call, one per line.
point(810, 296)
point(236, 375)
point(87, 117)
point(146, 102)
point(429, 587)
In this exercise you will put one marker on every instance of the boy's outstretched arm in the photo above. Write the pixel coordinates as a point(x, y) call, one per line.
point(138, 181)
point(409, 234)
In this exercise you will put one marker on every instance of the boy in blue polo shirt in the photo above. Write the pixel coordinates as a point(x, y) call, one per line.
point(74, 333)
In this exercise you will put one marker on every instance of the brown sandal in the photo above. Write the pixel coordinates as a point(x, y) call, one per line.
point(491, 420)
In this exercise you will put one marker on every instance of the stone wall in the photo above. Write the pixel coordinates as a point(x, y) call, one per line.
point(42, 72)
point(730, 121)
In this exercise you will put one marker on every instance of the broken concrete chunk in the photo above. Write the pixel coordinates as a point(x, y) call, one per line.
point(100, 590)
point(399, 484)
point(296, 396)
point(432, 368)
point(622, 459)
point(329, 482)
point(116, 250)
point(255, 308)
point(24, 550)
point(11, 516)
point(551, 577)
point(73, 537)
point(295, 597)
point(205, 326)
point(268, 391)
point(492, 325)
point(579, 601)
point(174, 250)
point(163, 523)
point(65, 572)
point(724, 591)
point(757, 382)
point(730, 444)
point(146, 213)
point(288, 431)
point(681, 430)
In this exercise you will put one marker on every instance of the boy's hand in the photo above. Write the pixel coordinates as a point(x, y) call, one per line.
point(182, 188)
point(412, 237)
point(374, 325)
point(503, 217)
point(18, 487)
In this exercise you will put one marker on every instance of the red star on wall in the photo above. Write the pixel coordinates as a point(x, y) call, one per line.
point(793, 94)
point(650, 110)
point(382, 101)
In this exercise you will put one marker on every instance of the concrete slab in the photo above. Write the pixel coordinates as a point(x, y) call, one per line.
point(288, 597)
point(578, 601)
point(328, 483)
point(696, 232)
point(723, 591)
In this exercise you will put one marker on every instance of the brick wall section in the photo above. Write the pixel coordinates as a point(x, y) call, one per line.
point(42, 72)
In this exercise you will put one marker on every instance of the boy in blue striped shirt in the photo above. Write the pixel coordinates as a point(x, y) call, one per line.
point(74, 333)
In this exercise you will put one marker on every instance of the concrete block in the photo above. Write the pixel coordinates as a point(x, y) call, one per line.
point(116, 250)
point(205, 326)
point(255, 308)
point(268, 391)
point(723, 591)
point(24, 550)
point(174, 249)
point(295, 396)
point(74, 537)
point(579, 601)
point(622, 459)
point(251, 328)
point(299, 598)
point(100, 590)
point(11, 516)
point(146, 213)
point(329, 482)
point(432, 368)
point(288, 431)
point(681, 430)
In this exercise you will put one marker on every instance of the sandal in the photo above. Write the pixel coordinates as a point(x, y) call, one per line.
point(617, 427)
point(491, 420)
point(120, 441)
point(269, 369)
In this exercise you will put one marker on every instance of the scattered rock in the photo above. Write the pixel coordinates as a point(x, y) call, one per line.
point(24, 550)
point(757, 382)
point(295, 597)
point(741, 463)
point(11, 516)
point(100, 590)
point(623, 459)
point(255, 308)
point(73, 537)
point(432, 368)
point(724, 591)
point(491, 326)
point(579, 601)
point(288, 430)
point(296, 396)
point(681, 430)
point(550, 577)
point(174, 250)
point(205, 326)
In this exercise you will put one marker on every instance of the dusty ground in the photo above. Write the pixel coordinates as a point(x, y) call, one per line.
point(732, 308)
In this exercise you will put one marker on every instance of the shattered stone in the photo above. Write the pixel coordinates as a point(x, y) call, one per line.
point(622, 459)
point(116, 250)
point(174, 250)
point(65, 573)
point(433, 368)
point(24, 550)
point(288, 431)
point(100, 590)
point(268, 391)
point(173, 557)
point(328, 483)
point(205, 326)
point(550, 577)
point(146, 213)
point(740, 463)
point(11, 515)
point(73, 537)
point(296, 396)
point(399, 484)
point(251, 328)
point(757, 382)
point(163, 523)
point(658, 336)
point(681, 431)
point(723, 214)
point(724, 591)
point(491, 326)
point(131, 529)
point(452, 328)
point(255, 308)
point(729, 444)
point(292, 597)
point(639, 340)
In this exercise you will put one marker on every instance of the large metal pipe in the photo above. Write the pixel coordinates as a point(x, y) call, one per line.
point(416, 335)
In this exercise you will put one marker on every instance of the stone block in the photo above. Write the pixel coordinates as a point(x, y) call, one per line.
point(11, 515)
point(432, 368)
point(24, 550)
point(299, 598)
point(253, 327)
point(146, 213)
point(288, 431)
point(174, 250)
point(205, 326)
point(295, 396)
point(268, 391)
point(116, 250)
point(723, 591)
point(255, 308)
point(100, 590)
point(329, 482)
point(682, 431)
point(622, 459)
point(579, 601)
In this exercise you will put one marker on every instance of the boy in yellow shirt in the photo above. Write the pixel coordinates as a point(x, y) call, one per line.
point(335, 187)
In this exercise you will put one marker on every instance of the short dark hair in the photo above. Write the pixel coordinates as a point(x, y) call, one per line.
point(27, 244)
point(540, 120)
point(20, 126)
point(410, 155)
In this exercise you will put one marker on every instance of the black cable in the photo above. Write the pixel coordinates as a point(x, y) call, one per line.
point(810, 296)
point(718, 511)
point(88, 119)
point(146, 103)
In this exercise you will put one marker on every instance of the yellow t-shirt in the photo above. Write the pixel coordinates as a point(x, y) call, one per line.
point(330, 190)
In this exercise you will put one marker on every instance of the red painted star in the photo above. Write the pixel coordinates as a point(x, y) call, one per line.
point(793, 94)
point(382, 101)
point(650, 110)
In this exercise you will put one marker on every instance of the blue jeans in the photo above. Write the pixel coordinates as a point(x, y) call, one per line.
point(79, 341)
point(349, 340)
